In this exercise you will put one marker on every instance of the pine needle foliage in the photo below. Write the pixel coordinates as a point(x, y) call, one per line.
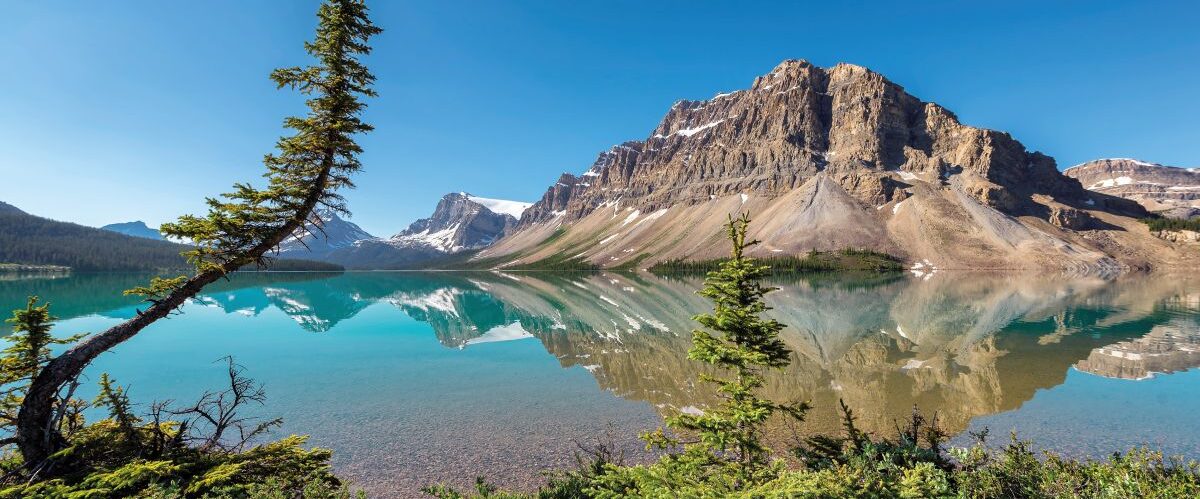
point(322, 151)
point(28, 350)
point(127, 455)
point(306, 172)
point(120, 411)
point(738, 341)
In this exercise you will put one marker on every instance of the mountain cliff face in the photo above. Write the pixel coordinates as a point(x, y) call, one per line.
point(135, 229)
point(1168, 190)
point(828, 159)
point(460, 222)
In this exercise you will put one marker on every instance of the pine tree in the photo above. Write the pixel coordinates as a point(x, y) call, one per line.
point(742, 344)
point(28, 350)
point(242, 227)
point(120, 410)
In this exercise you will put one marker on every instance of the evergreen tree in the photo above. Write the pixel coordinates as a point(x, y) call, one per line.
point(743, 345)
point(120, 410)
point(308, 169)
point(28, 350)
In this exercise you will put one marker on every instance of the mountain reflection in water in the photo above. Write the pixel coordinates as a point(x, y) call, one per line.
point(963, 345)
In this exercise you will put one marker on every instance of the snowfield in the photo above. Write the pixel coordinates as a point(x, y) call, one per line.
point(502, 206)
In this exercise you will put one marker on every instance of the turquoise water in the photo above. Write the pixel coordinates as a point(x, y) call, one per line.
point(414, 378)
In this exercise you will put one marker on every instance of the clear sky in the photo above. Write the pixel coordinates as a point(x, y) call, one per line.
point(137, 109)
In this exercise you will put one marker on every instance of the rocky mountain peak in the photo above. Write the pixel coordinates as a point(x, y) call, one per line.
point(1167, 190)
point(798, 121)
point(327, 232)
point(462, 221)
point(829, 158)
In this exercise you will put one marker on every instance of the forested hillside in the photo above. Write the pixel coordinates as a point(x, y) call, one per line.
point(30, 239)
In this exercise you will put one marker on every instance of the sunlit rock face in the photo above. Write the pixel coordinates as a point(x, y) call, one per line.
point(830, 158)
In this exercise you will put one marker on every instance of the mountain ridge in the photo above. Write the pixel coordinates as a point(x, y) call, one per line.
point(460, 222)
point(1169, 191)
point(30, 239)
point(136, 228)
point(829, 159)
point(326, 233)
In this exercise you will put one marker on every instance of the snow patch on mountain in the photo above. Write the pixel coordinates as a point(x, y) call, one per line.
point(688, 132)
point(329, 234)
point(442, 240)
point(502, 206)
point(1112, 182)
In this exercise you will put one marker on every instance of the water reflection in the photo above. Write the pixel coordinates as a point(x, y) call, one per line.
point(1165, 350)
point(964, 345)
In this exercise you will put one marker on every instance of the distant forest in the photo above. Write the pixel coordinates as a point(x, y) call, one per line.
point(1157, 224)
point(32, 240)
point(29, 239)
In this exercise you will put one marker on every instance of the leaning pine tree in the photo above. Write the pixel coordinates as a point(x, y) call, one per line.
point(728, 453)
point(307, 171)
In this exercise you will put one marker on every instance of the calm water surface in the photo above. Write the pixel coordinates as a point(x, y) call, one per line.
point(414, 378)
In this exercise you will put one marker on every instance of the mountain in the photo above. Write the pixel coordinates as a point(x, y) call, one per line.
point(329, 233)
point(830, 158)
point(135, 229)
point(32, 240)
point(8, 208)
point(29, 239)
point(1171, 191)
point(460, 222)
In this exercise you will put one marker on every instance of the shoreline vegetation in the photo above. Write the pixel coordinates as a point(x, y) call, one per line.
point(844, 260)
point(849, 260)
point(719, 451)
point(277, 265)
point(20, 267)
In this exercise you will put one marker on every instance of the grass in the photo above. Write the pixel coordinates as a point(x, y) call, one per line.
point(816, 261)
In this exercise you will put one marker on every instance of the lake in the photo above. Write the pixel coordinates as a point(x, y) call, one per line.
point(413, 378)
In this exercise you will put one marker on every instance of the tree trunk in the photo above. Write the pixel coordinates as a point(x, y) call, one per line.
point(36, 438)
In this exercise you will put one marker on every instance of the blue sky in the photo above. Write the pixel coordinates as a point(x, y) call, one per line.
point(116, 111)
